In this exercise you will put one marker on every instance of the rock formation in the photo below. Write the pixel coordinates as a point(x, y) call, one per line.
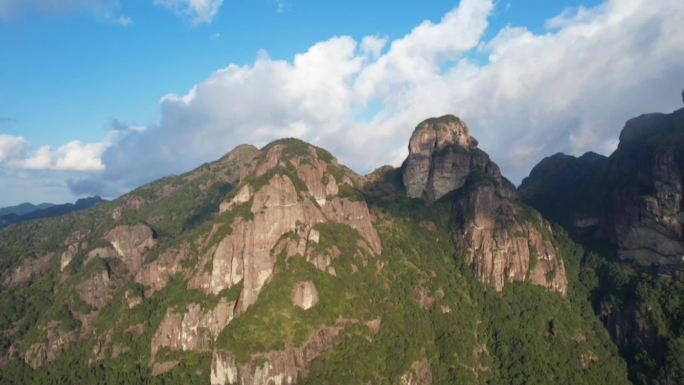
point(503, 240)
point(194, 330)
point(630, 201)
point(441, 156)
point(29, 270)
point(278, 207)
point(55, 342)
point(281, 367)
point(156, 275)
point(131, 243)
point(420, 374)
point(305, 295)
point(281, 265)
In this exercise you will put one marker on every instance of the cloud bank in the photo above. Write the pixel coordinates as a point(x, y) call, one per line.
point(524, 95)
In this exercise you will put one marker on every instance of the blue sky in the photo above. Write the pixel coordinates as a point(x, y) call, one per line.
point(68, 75)
point(75, 72)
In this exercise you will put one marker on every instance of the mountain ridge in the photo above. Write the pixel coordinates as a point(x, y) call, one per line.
point(279, 265)
point(626, 209)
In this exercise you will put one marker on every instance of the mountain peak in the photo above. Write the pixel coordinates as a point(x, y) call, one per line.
point(439, 133)
point(441, 156)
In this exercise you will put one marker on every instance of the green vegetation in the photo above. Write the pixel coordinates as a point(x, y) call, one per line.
point(468, 333)
point(630, 301)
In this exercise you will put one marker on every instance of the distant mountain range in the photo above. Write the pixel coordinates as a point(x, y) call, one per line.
point(28, 211)
point(23, 208)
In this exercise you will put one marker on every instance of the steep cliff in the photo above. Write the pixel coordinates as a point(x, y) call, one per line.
point(503, 240)
point(628, 204)
point(627, 210)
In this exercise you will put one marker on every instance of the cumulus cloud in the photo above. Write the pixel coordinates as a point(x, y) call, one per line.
point(11, 148)
point(569, 88)
point(74, 156)
point(197, 11)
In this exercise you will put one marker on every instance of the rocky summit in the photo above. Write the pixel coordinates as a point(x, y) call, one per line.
point(280, 265)
point(502, 239)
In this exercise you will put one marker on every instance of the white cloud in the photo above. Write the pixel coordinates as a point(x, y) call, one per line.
point(570, 88)
point(124, 21)
point(197, 11)
point(372, 46)
point(73, 156)
point(11, 148)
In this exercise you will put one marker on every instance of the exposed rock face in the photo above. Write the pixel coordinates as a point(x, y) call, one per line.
point(158, 273)
point(499, 236)
point(129, 203)
point(192, 331)
point(73, 246)
point(56, 341)
point(631, 200)
point(356, 215)
point(96, 291)
point(243, 196)
point(420, 374)
point(441, 156)
point(248, 254)
point(28, 271)
point(131, 243)
point(504, 242)
point(305, 295)
point(283, 367)
point(102, 253)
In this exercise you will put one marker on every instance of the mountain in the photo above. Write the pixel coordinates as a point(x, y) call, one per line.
point(26, 211)
point(281, 266)
point(23, 208)
point(632, 200)
point(627, 208)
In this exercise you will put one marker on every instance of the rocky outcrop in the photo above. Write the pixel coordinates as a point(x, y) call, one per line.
point(56, 341)
point(505, 242)
point(246, 253)
point(420, 374)
point(628, 204)
point(30, 269)
point(73, 246)
point(128, 203)
point(131, 243)
point(283, 367)
point(279, 205)
point(243, 196)
point(502, 240)
point(157, 274)
point(305, 295)
point(355, 214)
point(96, 291)
point(194, 330)
point(441, 156)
